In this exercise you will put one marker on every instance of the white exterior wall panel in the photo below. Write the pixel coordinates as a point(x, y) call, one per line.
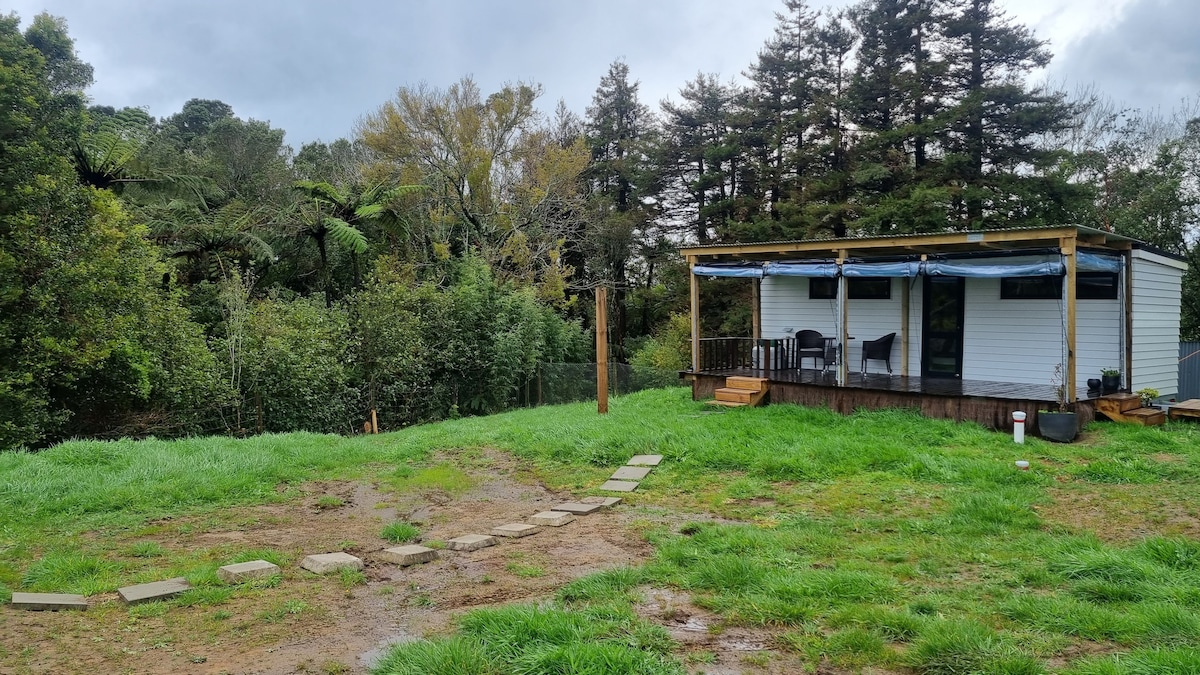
point(1016, 341)
point(1156, 305)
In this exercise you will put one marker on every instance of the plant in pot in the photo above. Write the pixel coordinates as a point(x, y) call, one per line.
point(1110, 380)
point(1147, 394)
point(1061, 424)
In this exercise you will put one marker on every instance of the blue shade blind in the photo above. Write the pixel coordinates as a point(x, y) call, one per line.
point(907, 268)
point(741, 270)
point(807, 269)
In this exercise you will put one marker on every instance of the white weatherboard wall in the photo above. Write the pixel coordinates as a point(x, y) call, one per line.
point(1156, 302)
point(786, 309)
point(1017, 341)
point(1022, 340)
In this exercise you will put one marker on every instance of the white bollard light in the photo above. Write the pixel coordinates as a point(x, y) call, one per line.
point(1018, 426)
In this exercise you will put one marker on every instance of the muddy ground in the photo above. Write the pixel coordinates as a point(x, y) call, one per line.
point(310, 624)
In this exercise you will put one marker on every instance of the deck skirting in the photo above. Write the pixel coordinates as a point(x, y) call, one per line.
point(991, 412)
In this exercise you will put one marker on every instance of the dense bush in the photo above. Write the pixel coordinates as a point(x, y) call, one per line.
point(412, 350)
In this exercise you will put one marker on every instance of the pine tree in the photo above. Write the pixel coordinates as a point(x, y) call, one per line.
point(897, 96)
point(778, 105)
point(989, 133)
point(620, 133)
point(701, 155)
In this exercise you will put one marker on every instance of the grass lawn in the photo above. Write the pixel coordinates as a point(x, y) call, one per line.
point(881, 541)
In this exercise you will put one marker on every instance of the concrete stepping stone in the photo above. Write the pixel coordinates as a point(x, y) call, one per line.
point(515, 530)
point(408, 555)
point(619, 486)
point(247, 571)
point(645, 460)
point(158, 590)
point(324, 563)
point(602, 501)
point(578, 508)
point(631, 473)
point(471, 542)
point(552, 518)
point(48, 602)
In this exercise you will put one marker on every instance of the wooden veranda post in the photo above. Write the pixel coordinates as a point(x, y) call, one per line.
point(905, 310)
point(756, 307)
point(602, 350)
point(1068, 251)
point(695, 305)
point(843, 350)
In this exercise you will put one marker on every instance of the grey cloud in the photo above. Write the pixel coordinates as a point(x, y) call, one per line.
point(1149, 58)
point(314, 68)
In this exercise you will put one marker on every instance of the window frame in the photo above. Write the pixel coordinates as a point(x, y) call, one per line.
point(857, 288)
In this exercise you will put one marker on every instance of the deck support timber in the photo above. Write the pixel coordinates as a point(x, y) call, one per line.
point(905, 310)
point(694, 301)
point(1068, 251)
point(843, 370)
point(756, 307)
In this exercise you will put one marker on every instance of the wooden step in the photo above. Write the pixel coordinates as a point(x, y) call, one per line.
point(1118, 402)
point(728, 404)
point(748, 383)
point(1147, 417)
point(1189, 409)
point(745, 396)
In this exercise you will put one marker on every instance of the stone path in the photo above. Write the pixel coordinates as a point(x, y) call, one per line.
point(624, 479)
point(49, 602)
point(159, 590)
point(247, 571)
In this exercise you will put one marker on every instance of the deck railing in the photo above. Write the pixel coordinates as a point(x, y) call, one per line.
point(761, 354)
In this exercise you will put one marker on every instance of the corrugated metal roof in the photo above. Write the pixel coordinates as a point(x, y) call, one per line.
point(830, 240)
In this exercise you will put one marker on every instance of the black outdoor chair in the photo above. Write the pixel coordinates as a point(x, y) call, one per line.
point(812, 345)
point(878, 350)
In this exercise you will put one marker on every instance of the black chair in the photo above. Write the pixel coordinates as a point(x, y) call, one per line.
point(811, 345)
point(878, 350)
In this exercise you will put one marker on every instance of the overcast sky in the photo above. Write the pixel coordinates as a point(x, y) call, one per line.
point(313, 68)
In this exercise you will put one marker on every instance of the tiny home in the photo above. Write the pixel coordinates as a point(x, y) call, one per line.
point(965, 325)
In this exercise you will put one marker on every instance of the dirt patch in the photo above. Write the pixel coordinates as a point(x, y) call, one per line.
point(310, 624)
point(1124, 513)
point(709, 646)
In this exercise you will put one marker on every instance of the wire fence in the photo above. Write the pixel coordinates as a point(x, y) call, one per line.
point(552, 384)
point(576, 382)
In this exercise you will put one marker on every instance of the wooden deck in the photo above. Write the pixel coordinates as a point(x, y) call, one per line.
point(989, 404)
point(897, 383)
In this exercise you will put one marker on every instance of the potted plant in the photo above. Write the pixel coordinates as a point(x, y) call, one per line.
point(1147, 394)
point(1110, 380)
point(1061, 424)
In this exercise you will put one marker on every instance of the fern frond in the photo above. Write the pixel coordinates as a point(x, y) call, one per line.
point(345, 235)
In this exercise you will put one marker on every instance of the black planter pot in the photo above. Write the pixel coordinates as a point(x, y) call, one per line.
point(1109, 384)
point(1058, 426)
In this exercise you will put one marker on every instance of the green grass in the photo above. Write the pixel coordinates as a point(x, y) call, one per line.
point(600, 640)
point(400, 532)
point(880, 540)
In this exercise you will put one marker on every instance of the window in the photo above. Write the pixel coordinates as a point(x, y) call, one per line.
point(1096, 286)
point(857, 288)
point(870, 288)
point(1031, 288)
point(1089, 286)
point(820, 288)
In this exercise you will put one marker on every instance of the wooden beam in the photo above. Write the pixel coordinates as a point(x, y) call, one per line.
point(694, 302)
point(1046, 236)
point(602, 350)
point(1068, 251)
point(843, 371)
point(1128, 307)
point(756, 307)
point(905, 310)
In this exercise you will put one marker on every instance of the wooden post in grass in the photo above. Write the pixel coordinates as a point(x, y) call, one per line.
point(601, 350)
point(374, 422)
